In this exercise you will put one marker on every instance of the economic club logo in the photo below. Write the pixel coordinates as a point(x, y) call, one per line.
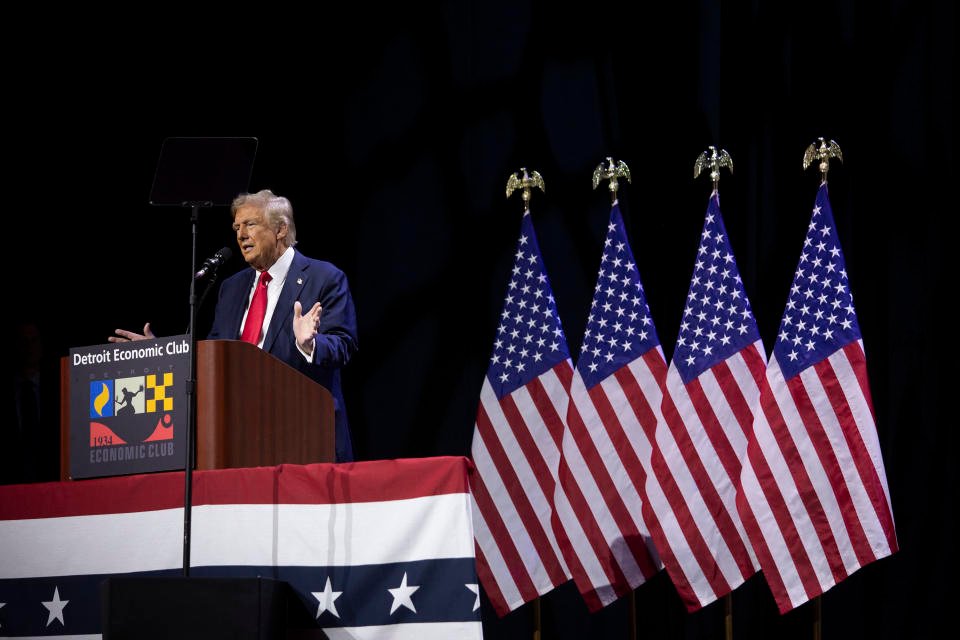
point(114, 399)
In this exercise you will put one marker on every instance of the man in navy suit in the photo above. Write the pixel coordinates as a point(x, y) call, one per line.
point(317, 341)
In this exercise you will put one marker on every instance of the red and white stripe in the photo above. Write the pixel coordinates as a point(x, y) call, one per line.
point(814, 493)
point(317, 515)
point(701, 440)
point(598, 500)
point(516, 452)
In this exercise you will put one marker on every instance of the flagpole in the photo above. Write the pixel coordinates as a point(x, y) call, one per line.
point(820, 151)
point(817, 620)
point(611, 171)
point(525, 181)
point(715, 159)
point(728, 617)
point(536, 618)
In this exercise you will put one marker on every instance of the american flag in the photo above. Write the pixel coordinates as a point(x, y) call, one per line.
point(814, 494)
point(516, 438)
point(712, 383)
point(617, 378)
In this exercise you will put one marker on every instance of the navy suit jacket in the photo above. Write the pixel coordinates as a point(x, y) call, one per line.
point(308, 281)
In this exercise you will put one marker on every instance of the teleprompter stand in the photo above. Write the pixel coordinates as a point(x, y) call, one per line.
point(199, 173)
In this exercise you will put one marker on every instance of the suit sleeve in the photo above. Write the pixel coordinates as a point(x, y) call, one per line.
point(336, 342)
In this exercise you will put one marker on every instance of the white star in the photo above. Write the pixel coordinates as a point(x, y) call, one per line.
point(476, 590)
point(401, 596)
point(327, 597)
point(55, 607)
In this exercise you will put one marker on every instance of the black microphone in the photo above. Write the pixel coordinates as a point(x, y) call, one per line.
point(213, 262)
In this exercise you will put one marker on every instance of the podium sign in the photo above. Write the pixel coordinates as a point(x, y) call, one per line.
point(128, 407)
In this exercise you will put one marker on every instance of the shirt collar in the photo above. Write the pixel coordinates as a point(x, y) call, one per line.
point(278, 271)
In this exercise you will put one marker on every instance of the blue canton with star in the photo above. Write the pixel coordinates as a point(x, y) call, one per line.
point(619, 327)
point(819, 318)
point(529, 338)
point(717, 319)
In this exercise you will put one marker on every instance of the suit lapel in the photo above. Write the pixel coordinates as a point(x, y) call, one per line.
point(238, 303)
point(282, 319)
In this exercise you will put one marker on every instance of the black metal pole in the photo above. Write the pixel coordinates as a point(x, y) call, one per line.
point(191, 396)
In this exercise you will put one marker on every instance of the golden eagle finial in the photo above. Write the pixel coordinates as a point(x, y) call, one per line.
point(525, 181)
point(611, 170)
point(822, 152)
point(714, 160)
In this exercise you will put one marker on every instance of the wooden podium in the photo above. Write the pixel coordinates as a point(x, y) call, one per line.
point(252, 410)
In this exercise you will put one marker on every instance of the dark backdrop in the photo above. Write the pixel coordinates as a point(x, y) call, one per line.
point(393, 131)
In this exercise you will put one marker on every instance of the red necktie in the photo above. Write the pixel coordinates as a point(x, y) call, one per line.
point(258, 308)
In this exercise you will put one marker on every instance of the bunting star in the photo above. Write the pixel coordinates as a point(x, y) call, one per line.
point(327, 597)
point(476, 590)
point(401, 596)
point(55, 607)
